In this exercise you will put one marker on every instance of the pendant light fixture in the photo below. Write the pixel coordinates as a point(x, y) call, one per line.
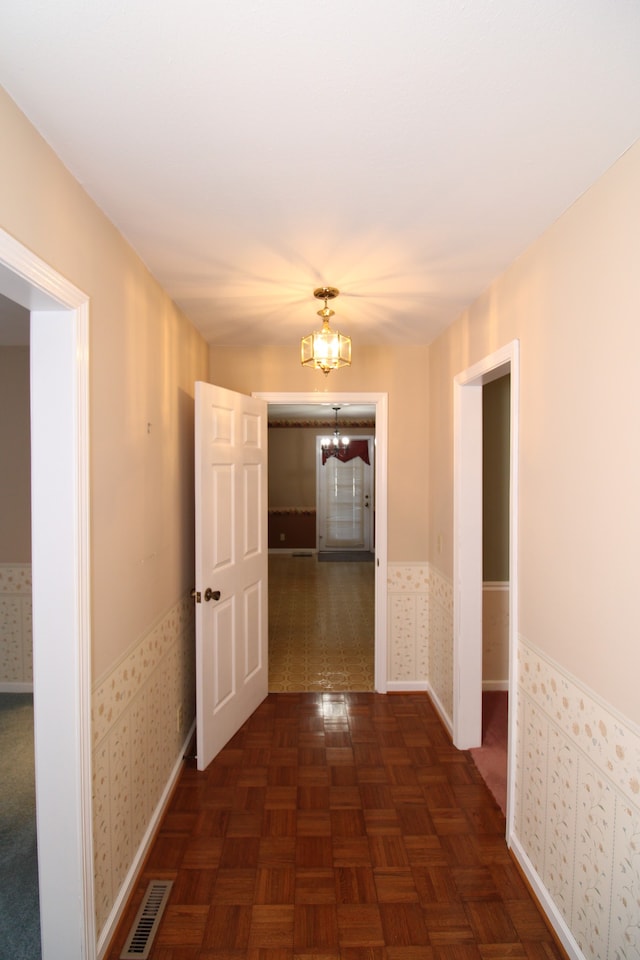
point(336, 440)
point(325, 349)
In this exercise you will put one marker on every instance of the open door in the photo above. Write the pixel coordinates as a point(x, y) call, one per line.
point(231, 564)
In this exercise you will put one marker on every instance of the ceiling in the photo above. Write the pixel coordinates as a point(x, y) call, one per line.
point(253, 150)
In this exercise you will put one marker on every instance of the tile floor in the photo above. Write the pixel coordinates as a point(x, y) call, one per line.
point(321, 625)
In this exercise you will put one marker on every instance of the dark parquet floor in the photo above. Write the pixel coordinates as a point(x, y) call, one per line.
point(339, 827)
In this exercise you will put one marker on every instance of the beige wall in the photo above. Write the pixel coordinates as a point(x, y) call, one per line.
point(15, 475)
point(573, 300)
point(400, 372)
point(144, 358)
point(292, 463)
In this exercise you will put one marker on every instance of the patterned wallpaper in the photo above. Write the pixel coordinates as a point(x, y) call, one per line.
point(441, 641)
point(16, 638)
point(408, 626)
point(136, 744)
point(495, 635)
point(577, 806)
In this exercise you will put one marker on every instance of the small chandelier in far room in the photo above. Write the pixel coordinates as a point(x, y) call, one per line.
point(325, 349)
point(336, 440)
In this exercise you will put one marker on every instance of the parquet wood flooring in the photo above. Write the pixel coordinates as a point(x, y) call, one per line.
point(341, 826)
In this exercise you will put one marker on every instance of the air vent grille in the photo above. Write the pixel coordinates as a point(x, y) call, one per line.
point(145, 925)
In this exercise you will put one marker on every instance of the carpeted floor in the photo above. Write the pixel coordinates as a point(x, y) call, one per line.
point(19, 902)
point(491, 757)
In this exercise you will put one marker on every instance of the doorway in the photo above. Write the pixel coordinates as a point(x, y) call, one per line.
point(60, 564)
point(380, 402)
point(468, 552)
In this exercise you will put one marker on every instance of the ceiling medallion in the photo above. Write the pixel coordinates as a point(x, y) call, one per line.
point(325, 349)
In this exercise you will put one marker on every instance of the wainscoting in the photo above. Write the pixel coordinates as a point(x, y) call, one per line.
point(16, 628)
point(142, 712)
point(577, 816)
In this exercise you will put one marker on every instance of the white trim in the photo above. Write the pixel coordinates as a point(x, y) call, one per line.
point(381, 403)
point(407, 686)
point(467, 560)
point(543, 896)
point(61, 596)
point(19, 686)
point(137, 863)
point(496, 586)
point(442, 713)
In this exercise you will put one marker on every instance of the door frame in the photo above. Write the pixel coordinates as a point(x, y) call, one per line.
point(61, 595)
point(381, 403)
point(467, 552)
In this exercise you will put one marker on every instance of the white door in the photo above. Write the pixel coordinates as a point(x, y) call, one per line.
point(231, 564)
point(345, 501)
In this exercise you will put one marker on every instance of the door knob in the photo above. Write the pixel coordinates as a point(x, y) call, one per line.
point(210, 594)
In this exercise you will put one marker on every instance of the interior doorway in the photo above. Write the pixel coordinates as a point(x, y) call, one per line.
point(379, 401)
point(60, 565)
point(468, 552)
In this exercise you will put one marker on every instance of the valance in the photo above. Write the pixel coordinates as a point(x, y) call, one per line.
point(355, 448)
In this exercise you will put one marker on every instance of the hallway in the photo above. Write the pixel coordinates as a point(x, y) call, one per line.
point(341, 827)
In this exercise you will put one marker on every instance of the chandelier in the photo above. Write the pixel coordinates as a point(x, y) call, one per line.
point(325, 349)
point(336, 440)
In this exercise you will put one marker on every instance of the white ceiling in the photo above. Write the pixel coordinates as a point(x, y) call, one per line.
point(251, 150)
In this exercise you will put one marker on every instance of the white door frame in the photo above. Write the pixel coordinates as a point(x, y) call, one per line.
point(61, 599)
point(381, 403)
point(467, 550)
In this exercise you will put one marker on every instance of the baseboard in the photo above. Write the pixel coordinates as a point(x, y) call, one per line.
point(442, 713)
point(495, 685)
point(20, 686)
point(110, 927)
point(407, 686)
point(292, 551)
point(556, 922)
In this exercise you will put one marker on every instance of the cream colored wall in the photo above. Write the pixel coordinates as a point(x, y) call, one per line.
point(400, 372)
point(15, 475)
point(573, 300)
point(292, 463)
point(144, 359)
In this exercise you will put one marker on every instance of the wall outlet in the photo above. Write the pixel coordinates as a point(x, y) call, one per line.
point(179, 719)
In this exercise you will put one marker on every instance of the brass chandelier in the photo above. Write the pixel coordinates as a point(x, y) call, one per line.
point(325, 349)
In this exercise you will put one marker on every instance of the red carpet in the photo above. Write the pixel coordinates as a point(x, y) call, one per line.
point(491, 757)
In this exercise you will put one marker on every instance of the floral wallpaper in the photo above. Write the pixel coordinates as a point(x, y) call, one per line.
point(137, 740)
point(408, 623)
point(577, 806)
point(16, 637)
point(441, 640)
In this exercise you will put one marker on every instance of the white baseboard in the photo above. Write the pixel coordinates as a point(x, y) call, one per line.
point(407, 686)
point(20, 686)
point(556, 920)
point(122, 899)
point(495, 685)
point(441, 713)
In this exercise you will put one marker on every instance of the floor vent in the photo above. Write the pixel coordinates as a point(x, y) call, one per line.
point(145, 925)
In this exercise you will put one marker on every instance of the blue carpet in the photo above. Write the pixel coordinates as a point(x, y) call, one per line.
point(19, 904)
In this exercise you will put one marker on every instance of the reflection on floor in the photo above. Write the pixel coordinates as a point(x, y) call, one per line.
point(321, 625)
